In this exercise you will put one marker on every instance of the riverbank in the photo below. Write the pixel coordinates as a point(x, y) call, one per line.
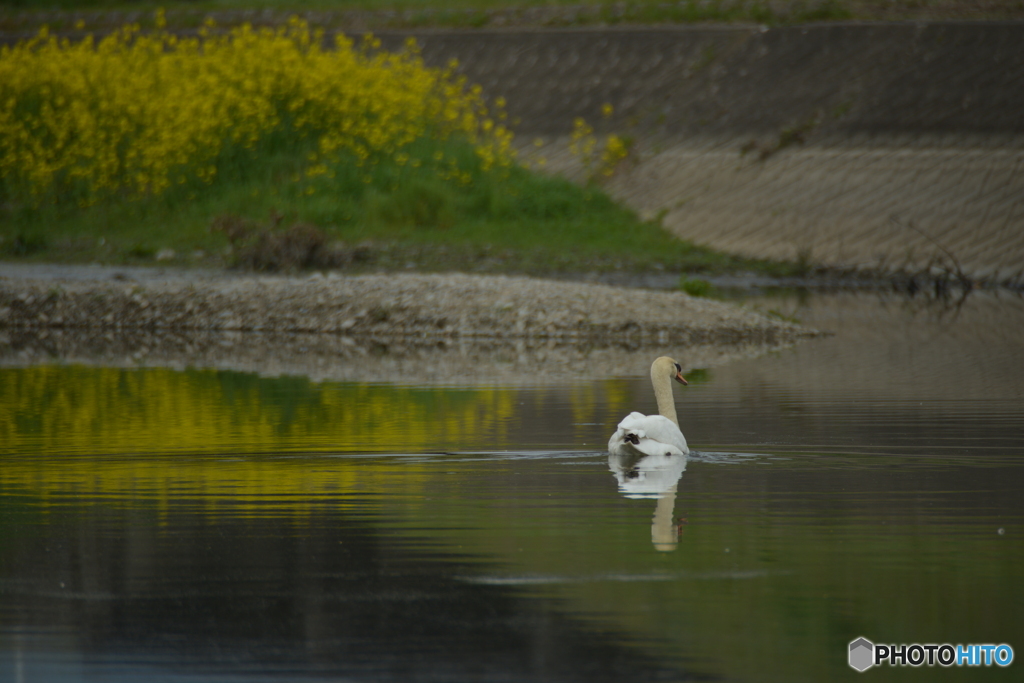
point(883, 154)
point(355, 327)
point(424, 307)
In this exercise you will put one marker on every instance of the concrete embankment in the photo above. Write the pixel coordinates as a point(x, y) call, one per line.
point(857, 145)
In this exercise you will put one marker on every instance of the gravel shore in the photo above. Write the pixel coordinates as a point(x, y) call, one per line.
point(413, 327)
point(394, 306)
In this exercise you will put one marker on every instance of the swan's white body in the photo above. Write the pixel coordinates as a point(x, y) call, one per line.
point(654, 434)
point(644, 435)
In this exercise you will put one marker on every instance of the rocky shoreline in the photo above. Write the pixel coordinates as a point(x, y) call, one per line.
point(420, 306)
point(420, 327)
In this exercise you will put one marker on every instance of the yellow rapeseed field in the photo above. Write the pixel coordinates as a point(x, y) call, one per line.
point(136, 113)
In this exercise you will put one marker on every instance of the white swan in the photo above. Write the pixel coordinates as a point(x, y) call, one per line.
point(643, 435)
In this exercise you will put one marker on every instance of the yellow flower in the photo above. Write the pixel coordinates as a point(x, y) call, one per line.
point(136, 113)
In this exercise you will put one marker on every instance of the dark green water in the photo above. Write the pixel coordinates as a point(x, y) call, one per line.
point(215, 525)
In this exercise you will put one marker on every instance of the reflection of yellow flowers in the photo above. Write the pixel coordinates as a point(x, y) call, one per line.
point(68, 410)
point(137, 114)
point(245, 486)
point(146, 436)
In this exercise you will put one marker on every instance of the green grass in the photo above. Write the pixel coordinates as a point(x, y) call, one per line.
point(503, 220)
point(696, 286)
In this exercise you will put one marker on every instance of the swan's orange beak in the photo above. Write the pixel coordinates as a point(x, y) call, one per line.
point(680, 378)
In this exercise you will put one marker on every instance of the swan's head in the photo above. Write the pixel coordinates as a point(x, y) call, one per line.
point(667, 366)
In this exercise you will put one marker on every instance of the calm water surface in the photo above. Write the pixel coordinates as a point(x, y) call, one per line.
point(214, 525)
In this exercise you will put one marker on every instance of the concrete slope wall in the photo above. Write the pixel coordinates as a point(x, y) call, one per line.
point(884, 78)
point(859, 145)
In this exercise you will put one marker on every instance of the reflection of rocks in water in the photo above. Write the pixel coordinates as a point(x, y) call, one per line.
point(653, 476)
point(339, 358)
point(893, 347)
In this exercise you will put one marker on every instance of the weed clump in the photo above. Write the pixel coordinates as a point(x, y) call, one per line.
point(696, 286)
point(273, 247)
point(584, 146)
point(24, 244)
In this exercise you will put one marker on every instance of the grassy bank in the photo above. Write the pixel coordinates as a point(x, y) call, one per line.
point(260, 148)
point(243, 162)
point(257, 216)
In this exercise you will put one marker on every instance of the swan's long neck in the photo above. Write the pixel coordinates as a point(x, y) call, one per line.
point(663, 393)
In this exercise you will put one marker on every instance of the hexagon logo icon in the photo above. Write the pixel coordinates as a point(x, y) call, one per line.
point(862, 654)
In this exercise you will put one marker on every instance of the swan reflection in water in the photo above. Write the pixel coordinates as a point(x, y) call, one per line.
point(652, 476)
